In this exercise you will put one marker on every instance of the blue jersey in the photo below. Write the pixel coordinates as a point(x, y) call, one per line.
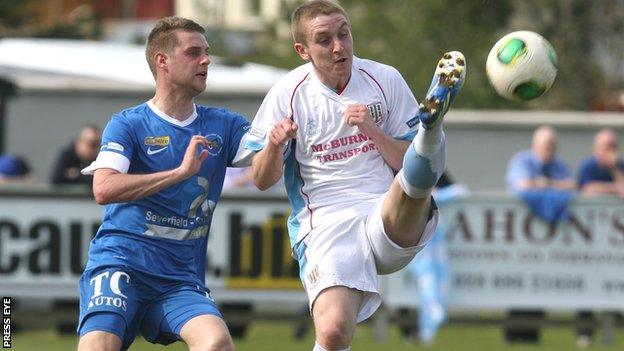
point(164, 234)
point(591, 171)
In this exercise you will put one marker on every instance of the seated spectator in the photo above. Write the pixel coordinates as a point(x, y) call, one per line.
point(14, 169)
point(603, 172)
point(600, 174)
point(541, 179)
point(544, 183)
point(76, 156)
point(539, 167)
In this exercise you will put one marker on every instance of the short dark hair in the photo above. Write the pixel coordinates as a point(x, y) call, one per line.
point(310, 10)
point(163, 38)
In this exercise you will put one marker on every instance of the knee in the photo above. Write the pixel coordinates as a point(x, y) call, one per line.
point(336, 335)
point(223, 343)
point(99, 341)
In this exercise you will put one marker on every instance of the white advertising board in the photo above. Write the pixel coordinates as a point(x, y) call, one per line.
point(501, 256)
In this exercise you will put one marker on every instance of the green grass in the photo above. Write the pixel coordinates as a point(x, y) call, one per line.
point(277, 336)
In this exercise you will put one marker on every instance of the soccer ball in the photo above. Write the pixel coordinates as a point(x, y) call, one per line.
point(521, 66)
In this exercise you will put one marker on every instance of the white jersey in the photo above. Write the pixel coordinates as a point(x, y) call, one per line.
point(330, 164)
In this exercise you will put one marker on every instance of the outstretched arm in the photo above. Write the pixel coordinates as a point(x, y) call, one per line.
point(267, 164)
point(111, 186)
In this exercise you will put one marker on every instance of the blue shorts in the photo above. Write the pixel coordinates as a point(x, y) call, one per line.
point(124, 302)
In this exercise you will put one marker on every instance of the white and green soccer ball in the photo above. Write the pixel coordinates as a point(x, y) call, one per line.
point(522, 66)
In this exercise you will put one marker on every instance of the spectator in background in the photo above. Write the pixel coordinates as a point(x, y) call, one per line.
point(599, 174)
point(603, 172)
point(544, 182)
point(14, 169)
point(541, 178)
point(539, 167)
point(76, 156)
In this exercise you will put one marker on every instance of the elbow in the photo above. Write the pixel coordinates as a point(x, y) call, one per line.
point(261, 185)
point(261, 180)
point(101, 195)
point(264, 183)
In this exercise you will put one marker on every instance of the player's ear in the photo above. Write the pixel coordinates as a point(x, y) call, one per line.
point(302, 51)
point(161, 60)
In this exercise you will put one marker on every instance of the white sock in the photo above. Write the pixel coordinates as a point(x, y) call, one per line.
point(427, 142)
point(424, 162)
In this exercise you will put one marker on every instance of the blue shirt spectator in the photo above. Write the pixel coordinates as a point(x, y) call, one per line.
point(541, 179)
point(525, 165)
point(539, 167)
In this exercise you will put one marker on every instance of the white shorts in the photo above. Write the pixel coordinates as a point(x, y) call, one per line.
point(350, 249)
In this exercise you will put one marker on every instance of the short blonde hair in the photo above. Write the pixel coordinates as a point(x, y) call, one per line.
point(163, 38)
point(310, 10)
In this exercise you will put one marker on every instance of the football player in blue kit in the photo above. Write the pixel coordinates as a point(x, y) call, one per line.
point(160, 172)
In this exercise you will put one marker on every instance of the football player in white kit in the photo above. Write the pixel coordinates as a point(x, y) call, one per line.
point(339, 128)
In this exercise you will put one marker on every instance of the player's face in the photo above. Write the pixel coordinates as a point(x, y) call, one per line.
point(329, 46)
point(188, 64)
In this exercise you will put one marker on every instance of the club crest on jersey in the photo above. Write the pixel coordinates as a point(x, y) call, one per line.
point(376, 112)
point(215, 144)
point(156, 141)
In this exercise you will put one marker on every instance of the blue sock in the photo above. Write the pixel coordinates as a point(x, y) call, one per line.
point(423, 162)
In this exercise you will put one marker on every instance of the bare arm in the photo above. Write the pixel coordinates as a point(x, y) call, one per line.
point(391, 150)
point(534, 183)
point(564, 184)
point(267, 164)
point(542, 182)
point(593, 188)
point(110, 186)
point(614, 187)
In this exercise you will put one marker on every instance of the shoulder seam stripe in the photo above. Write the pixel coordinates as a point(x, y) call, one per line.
point(292, 117)
point(292, 97)
point(376, 82)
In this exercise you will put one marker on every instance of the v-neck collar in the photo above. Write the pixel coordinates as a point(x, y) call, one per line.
point(188, 120)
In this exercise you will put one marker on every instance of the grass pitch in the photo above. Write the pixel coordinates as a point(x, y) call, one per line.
point(278, 336)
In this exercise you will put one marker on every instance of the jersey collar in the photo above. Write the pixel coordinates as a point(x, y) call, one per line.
point(332, 92)
point(188, 120)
